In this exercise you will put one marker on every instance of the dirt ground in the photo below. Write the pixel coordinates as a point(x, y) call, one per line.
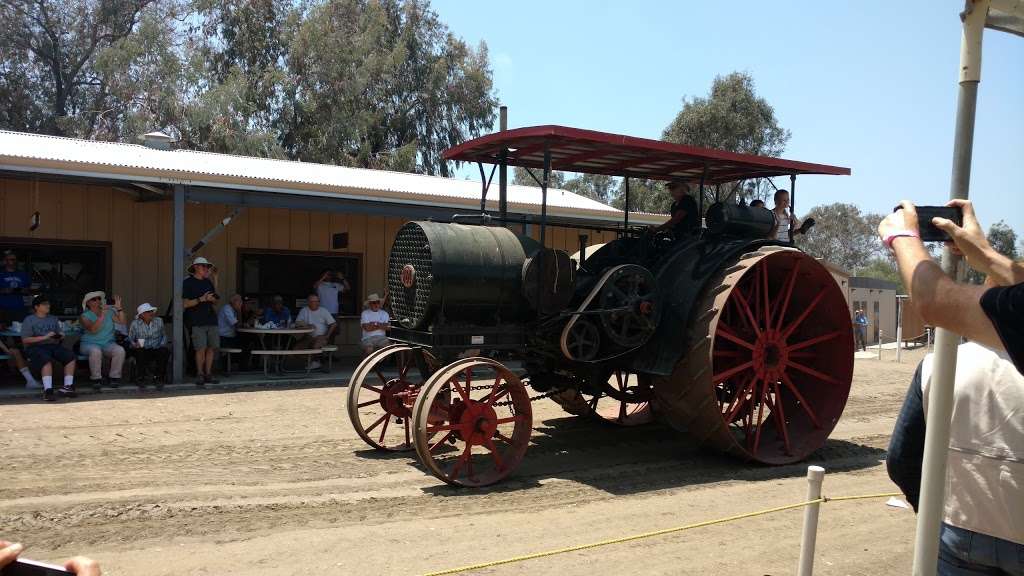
point(274, 481)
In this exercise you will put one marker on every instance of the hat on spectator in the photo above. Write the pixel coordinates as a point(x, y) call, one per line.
point(143, 308)
point(94, 294)
point(371, 298)
point(200, 261)
point(40, 299)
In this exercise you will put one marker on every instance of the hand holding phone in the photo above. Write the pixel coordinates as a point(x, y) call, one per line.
point(931, 233)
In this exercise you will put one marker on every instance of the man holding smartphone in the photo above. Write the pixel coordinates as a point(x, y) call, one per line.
point(199, 293)
point(983, 514)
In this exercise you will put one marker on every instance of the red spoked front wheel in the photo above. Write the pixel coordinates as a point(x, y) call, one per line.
point(472, 422)
point(381, 394)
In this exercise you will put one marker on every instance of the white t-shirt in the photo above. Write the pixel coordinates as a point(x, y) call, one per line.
point(328, 293)
point(320, 319)
point(368, 316)
point(782, 231)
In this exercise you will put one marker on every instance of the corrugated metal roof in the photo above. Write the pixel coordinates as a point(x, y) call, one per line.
point(40, 153)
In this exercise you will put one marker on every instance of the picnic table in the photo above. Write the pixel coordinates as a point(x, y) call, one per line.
point(280, 347)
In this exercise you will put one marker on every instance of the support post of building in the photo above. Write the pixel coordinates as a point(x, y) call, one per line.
point(940, 392)
point(178, 277)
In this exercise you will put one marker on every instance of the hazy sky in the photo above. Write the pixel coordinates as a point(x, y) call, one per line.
point(869, 85)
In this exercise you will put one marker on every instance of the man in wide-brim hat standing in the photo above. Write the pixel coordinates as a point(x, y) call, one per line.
point(199, 294)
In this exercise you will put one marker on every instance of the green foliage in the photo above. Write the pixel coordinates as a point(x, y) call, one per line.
point(1003, 239)
point(370, 83)
point(644, 196)
point(372, 78)
point(49, 51)
point(731, 117)
point(843, 236)
point(594, 186)
point(883, 268)
point(521, 177)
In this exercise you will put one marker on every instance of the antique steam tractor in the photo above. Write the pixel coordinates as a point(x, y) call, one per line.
point(740, 342)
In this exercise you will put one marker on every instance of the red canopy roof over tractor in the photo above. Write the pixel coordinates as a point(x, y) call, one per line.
point(590, 152)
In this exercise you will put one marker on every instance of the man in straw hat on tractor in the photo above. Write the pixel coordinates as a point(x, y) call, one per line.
point(199, 294)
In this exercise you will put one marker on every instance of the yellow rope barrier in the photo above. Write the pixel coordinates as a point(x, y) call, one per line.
point(655, 533)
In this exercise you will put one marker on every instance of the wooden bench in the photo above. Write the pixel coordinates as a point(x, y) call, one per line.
point(280, 355)
point(329, 351)
point(229, 352)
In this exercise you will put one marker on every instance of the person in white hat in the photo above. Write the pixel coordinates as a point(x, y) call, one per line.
point(375, 322)
point(199, 294)
point(98, 340)
point(148, 345)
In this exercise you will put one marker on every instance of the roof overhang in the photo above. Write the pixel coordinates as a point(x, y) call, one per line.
point(591, 152)
point(1006, 16)
point(241, 192)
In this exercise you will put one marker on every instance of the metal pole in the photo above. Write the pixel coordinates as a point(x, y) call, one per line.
point(815, 476)
point(503, 167)
point(625, 219)
point(792, 208)
point(940, 393)
point(880, 334)
point(544, 193)
point(178, 277)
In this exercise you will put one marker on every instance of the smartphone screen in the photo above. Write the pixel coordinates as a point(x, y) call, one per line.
point(24, 567)
point(928, 231)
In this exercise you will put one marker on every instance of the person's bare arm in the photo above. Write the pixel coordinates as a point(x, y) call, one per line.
point(941, 301)
point(675, 219)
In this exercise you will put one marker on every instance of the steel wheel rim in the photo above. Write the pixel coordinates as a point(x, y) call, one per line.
point(781, 379)
point(463, 436)
point(377, 403)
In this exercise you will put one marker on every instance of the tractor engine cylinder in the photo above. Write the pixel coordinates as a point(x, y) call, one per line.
point(468, 274)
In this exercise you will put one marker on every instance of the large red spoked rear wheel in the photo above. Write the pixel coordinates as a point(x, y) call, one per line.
point(381, 394)
point(472, 422)
point(625, 400)
point(770, 373)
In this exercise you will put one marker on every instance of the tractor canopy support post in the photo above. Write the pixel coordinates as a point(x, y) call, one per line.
point(700, 205)
point(625, 208)
point(544, 193)
point(792, 207)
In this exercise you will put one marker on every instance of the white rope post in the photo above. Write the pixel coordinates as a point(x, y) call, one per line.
point(815, 476)
point(880, 334)
point(899, 327)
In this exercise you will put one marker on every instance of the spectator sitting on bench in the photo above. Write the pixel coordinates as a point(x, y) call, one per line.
point(41, 334)
point(322, 322)
point(229, 319)
point(148, 345)
point(375, 322)
point(278, 313)
point(98, 339)
point(18, 361)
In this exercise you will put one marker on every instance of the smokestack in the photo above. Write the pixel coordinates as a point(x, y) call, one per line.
point(157, 140)
point(503, 118)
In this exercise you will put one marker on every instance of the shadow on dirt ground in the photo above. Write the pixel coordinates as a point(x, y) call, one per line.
point(625, 461)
